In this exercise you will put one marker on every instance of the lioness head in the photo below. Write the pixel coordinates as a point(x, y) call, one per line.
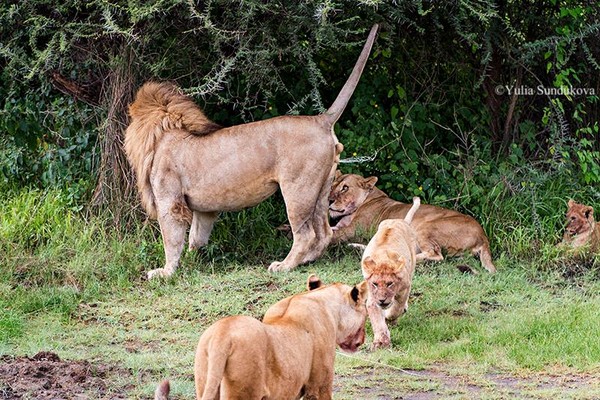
point(384, 278)
point(348, 192)
point(352, 313)
point(580, 219)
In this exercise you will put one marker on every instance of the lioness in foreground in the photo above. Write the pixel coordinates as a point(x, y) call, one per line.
point(581, 229)
point(288, 355)
point(388, 265)
point(359, 206)
point(188, 169)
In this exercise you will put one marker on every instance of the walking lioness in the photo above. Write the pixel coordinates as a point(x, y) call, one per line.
point(188, 169)
point(388, 265)
point(358, 205)
point(288, 355)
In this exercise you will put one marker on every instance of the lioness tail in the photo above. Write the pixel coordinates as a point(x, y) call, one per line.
point(217, 359)
point(158, 108)
point(337, 108)
point(411, 213)
point(162, 391)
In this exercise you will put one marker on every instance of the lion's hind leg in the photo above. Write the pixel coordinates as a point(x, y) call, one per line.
point(304, 236)
point(320, 221)
point(301, 201)
point(200, 229)
point(429, 251)
point(485, 256)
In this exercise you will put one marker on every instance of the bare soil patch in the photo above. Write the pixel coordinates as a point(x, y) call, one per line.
point(45, 376)
point(437, 383)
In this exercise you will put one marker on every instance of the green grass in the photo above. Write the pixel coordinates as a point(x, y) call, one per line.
point(70, 286)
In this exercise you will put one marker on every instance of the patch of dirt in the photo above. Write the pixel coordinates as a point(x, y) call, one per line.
point(45, 376)
point(578, 267)
point(385, 383)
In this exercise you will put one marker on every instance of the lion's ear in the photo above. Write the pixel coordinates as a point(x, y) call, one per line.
point(400, 265)
point(589, 213)
point(359, 292)
point(338, 173)
point(368, 265)
point(395, 257)
point(313, 282)
point(570, 203)
point(369, 183)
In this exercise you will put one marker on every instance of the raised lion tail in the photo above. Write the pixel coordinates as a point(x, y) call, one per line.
point(411, 213)
point(158, 108)
point(337, 108)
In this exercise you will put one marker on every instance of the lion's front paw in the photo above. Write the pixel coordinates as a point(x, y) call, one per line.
point(279, 266)
point(381, 344)
point(159, 273)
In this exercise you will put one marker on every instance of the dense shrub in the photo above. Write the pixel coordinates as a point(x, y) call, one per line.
point(434, 113)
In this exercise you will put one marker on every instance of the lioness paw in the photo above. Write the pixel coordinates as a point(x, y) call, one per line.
point(159, 273)
point(381, 344)
point(381, 341)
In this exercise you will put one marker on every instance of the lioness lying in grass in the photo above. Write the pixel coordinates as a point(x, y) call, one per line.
point(581, 229)
point(358, 205)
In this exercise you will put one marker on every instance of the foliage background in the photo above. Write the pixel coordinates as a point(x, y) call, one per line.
point(428, 116)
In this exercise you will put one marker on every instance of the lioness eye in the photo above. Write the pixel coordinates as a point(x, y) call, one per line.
point(344, 188)
point(390, 284)
point(374, 284)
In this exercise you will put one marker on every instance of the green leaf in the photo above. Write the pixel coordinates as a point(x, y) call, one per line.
point(401, 92)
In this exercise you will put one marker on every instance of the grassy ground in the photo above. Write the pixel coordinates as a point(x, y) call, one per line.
point(69, 286)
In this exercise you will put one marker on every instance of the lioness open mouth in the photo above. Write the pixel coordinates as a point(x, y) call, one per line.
point(349, 348)
point(333, 221)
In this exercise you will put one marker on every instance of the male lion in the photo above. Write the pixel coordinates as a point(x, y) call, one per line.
point(388, 265)
point(359, 206)
point(581, 229)
point(288, 355)
point(188, 169)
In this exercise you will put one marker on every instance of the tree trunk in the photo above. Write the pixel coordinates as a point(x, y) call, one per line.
point(115, 188)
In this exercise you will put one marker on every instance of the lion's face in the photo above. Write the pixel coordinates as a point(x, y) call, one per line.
point(384, 280)
point(349, 192)
point(351, 329)
point(580, 219)
point(353, 312)
point(383, 289)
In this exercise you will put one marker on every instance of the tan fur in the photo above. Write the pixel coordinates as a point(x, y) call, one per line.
point(388, 265)
point(581, 229)
point(158, 108)
point(188, 169)
point(360, 207)
point(289, 354)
